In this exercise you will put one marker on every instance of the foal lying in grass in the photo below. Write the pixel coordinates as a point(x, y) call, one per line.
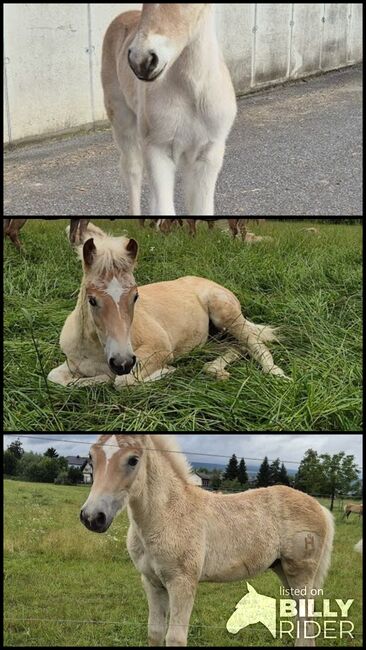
point(124, 334)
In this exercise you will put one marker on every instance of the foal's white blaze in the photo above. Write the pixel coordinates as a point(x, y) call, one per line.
point(115, 290)
point(110, 449)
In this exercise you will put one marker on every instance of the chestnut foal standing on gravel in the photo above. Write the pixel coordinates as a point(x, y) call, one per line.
point(171, 103)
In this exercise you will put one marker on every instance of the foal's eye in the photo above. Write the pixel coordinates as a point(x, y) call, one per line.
point(132, 462)
point(92, 302)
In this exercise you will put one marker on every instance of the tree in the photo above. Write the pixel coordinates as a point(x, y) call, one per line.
point(231, 472)
point(276, 472)
point(41, 469)
point(308, 478)
point(216, 479)
point(284, 477)
point(264, 476)
point(242, 473)
point(16, 449)
point(232, 486)
point(338, 474)
point(75, 475)
point(10, 463)
point(51, 453)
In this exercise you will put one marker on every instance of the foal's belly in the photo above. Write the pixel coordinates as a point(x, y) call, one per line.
point(174, 313)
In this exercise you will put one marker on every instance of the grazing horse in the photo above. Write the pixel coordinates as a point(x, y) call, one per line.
point(110, 328)
point(181, 535)
point(13, 226)
point(171, 102)
point(236, 226)
point(356, 508)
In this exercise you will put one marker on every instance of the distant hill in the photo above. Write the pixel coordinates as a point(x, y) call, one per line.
point(252, 469)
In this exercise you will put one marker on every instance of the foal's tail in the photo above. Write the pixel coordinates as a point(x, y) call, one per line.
point(264, 333)
point(326, 557)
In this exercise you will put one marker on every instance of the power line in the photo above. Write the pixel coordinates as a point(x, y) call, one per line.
point(171, 451)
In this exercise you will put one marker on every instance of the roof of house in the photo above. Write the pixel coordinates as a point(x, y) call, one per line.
point(204, 477)
point(76, 460)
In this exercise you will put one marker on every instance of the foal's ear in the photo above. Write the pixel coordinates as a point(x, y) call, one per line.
point(132, 249)
point(89, 252)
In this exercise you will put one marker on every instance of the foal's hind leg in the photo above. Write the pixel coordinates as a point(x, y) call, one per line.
point(218, 367)
point(225, 313)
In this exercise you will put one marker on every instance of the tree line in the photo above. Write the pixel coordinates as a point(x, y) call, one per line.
point(318, 474)
point(38, 468)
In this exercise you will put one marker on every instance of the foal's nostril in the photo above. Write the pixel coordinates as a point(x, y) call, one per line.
point(154, 62)
point(101, 520)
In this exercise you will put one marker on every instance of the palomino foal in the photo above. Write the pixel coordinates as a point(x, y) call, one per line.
point(110, 329)
point(171, 102)
point(181, 535)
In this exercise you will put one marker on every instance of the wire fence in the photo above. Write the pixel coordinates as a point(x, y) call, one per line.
point(124, 623)
point(153, 449)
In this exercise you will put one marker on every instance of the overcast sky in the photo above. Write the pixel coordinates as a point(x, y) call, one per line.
point(288, 447)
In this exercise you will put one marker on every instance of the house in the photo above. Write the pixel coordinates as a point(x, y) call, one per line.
point(78, 462)
point(205, 480)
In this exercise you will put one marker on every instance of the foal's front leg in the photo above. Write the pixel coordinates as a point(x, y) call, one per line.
point(200, 181)
point(158, 600)
point(151, 366)
point(182, 592)
point(64, 377)
point(162, 170)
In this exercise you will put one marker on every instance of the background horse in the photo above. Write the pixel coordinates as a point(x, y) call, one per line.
point(181, 535)
point(356, 508)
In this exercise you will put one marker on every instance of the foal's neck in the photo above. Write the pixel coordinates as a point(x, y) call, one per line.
point(200, 60)
point(150, 499)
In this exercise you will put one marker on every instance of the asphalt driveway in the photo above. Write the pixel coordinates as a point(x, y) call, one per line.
point(294, 150)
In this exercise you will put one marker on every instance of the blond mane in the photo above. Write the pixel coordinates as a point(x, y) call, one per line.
point(177, 460)
point(111, 256)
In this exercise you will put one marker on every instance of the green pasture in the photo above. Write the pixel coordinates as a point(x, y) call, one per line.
point(309, 286)
point(65, 586)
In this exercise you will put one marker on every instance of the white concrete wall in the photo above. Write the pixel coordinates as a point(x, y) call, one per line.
point(53, 55)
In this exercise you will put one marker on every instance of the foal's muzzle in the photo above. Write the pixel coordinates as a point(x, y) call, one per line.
point(120, 366)
point(97, 524)
point(145, 67)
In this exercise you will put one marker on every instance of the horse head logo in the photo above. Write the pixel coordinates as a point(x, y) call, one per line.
point(253, 609)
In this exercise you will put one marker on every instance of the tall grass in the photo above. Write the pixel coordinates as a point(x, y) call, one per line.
point(309, 286)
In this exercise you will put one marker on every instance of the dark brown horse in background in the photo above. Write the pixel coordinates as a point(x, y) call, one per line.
point(13, 226)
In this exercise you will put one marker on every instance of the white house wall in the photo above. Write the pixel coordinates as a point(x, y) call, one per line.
point(53, 55)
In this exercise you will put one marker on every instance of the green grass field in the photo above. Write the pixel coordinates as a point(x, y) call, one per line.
point(309, 286)
point(81, 589)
